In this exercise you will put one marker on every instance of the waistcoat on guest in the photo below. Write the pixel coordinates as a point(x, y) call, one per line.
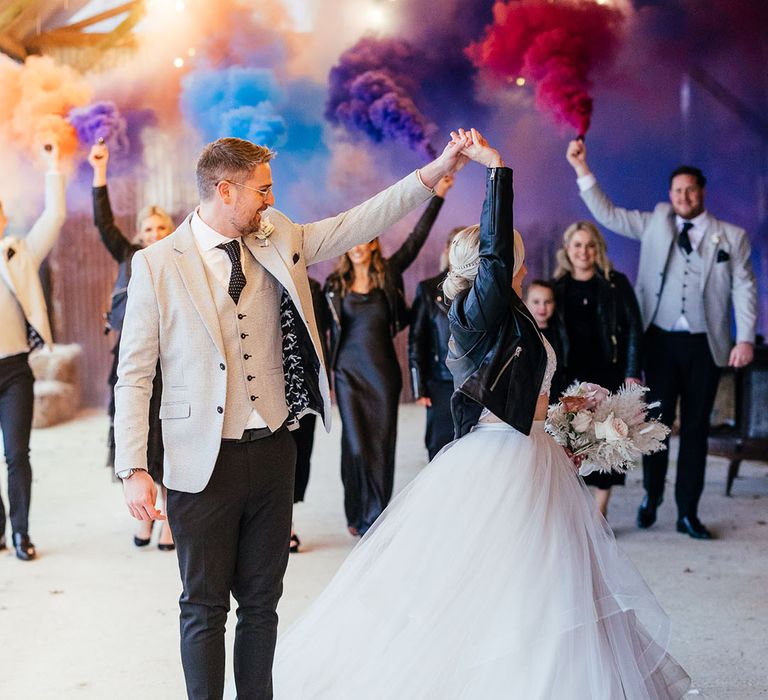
point(253, 344)
point(682, 293)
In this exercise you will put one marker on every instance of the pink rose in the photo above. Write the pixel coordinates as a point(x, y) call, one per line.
point(593, 393)
point(611, 429)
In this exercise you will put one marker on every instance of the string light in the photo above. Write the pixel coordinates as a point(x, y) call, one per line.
point(178, 62)
point(520, 81)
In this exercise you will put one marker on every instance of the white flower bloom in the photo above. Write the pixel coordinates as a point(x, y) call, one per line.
point(611, 429)
point(266, 228)
point(581, 422)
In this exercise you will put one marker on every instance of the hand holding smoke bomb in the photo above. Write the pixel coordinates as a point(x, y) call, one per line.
point(576, 155)
point(99, 142)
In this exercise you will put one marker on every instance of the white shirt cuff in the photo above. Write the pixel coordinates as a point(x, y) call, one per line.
point(421, 182)
point(586, 182)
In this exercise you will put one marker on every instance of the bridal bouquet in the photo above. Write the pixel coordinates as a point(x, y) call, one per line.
point(609, 431)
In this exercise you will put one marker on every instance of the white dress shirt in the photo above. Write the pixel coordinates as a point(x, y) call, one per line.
point(218, 263)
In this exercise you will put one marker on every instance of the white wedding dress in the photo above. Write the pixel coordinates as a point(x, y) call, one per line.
point(492, 576)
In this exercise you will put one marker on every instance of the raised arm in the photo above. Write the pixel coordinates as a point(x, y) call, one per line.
point(405, 255)
point(486, 302)
point(627, 222)
point(331, 237)
point(45, 232)
point(112, 237)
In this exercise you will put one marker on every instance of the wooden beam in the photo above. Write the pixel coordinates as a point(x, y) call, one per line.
point(12, 47)
point(107, 14)
point(9, 14)
point(60, 38)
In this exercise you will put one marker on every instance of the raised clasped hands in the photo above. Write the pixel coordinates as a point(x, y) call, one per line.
point(475, 147)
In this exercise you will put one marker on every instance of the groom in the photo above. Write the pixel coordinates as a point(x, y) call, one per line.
point(225, 304)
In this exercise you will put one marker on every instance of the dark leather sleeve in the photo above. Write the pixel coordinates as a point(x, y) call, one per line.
point(487, 301)
point(406, 254)
point(632, 323)
point(418, 342)
point(117, 245)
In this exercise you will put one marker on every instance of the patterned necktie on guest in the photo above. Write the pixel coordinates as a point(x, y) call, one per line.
point(683, 240)
point(236, 277)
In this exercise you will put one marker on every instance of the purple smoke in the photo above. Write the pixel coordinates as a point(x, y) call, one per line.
point(372, 92)
point(100, 120)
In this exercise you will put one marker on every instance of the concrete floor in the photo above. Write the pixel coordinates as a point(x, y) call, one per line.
point(94, 617)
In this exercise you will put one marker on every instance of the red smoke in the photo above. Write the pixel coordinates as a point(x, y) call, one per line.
point(554, 44)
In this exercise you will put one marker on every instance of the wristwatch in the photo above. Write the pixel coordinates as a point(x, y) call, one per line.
point(128, 473)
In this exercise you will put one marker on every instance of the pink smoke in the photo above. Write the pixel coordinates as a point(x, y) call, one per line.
point(556, 45)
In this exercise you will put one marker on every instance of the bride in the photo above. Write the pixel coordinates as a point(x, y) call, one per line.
point(492, 575)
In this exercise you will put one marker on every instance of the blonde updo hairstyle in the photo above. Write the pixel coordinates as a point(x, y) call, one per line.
point(464, 260)
point(564, 265)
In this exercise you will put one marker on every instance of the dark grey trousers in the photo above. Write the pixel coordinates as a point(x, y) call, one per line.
point(16, 404)
point(233, 537)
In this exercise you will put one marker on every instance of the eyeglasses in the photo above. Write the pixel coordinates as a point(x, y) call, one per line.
point(263, 191)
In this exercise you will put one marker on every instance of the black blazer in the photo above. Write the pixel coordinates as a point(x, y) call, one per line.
point(495, 353)
point(620, 329)
point(394, 290)
point(428, 336)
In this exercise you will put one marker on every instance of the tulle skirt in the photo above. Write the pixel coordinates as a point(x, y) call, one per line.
point(491, 576)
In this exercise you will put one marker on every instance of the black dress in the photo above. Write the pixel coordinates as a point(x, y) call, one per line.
point(368, 384)
point(587, 361)
point(123, 251)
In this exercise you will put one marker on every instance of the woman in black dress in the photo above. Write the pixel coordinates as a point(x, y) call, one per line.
point(603, 328)
point(153, 224)
point(368, 309)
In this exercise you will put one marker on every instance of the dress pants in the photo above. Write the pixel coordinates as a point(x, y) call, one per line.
point(439, 430)
point(680, 365)
point(233, 537)
point(304, 436)
point(16, 404)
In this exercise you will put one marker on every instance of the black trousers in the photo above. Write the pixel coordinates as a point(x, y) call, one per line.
point(680, 365)
point(439, 430)
point(16, 404)
point(304, 436)
point(233, 537)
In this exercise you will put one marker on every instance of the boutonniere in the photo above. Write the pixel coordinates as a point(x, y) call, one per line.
point(715, 239)
point(266, 229)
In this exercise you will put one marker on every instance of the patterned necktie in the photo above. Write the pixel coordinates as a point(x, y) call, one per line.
point(236, 277)
point(683, 240)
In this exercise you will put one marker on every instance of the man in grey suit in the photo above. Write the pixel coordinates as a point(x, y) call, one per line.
point(225, 304)
point(693, 270)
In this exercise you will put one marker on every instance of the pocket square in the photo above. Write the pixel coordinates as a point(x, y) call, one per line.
point(296, 257)
point(11, 252)
point(722, 256)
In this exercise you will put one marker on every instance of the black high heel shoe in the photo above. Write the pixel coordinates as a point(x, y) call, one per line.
point(295, 543)
point(25, 550)
point(140, 541)
point(165, 546)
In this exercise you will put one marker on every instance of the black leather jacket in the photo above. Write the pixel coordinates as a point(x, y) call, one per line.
point(120, 248)
point(428, 336)
point(495, 353)
point(394, 290)
point(620, 329)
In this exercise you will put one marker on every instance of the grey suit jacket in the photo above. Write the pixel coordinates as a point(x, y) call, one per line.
point(727, 278)
point(171, 315)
